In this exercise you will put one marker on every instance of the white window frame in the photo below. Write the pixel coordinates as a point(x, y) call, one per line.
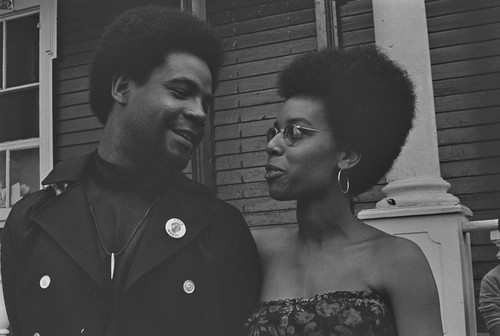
point(47, 10)
point(327, 33)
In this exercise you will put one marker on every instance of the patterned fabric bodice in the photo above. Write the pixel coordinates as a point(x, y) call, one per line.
point(342, 313)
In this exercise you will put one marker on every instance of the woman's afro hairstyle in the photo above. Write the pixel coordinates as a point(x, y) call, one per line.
point(370, 104)
point(136, 43)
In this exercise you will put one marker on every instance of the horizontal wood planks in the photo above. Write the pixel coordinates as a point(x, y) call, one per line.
point(464, 38)
point(76, 129)
point(260, 38)
point(355, 23)
point(465, 55)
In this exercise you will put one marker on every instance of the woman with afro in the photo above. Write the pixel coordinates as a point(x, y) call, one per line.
point(346, 116)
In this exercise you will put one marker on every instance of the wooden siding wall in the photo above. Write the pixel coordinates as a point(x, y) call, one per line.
point(76, 130)
point(464, 38)
point(260, 37)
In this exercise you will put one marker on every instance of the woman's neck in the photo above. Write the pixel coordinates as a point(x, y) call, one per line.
point(325, 218)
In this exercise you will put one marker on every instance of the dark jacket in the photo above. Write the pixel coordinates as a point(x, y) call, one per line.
point(55, 285)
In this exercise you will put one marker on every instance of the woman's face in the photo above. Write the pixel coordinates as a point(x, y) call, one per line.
point(307, 167)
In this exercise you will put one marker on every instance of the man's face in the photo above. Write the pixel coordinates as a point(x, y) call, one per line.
point(164, 119)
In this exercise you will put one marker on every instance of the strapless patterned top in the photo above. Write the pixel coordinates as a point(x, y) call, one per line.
point(342, 313)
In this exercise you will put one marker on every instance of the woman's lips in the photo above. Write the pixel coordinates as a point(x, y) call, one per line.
point(273, 172)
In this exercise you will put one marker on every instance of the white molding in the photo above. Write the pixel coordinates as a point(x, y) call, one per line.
point(447, 249)
point(27, 9)
point(48, 51)
point(327, 33)
point(420, 191)
point(20, 144)
point(321, 24)
point(494, 236)
point(414, 211)
point(199, 9)
point(19, 88)
point(4, 213)
point(482, 225)
point(23, 4)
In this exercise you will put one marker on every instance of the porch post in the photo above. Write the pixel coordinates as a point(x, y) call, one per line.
point(417, 205)
point(401, 32)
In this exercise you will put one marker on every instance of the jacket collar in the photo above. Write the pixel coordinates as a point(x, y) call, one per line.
point(71, 170)
point(75, 170)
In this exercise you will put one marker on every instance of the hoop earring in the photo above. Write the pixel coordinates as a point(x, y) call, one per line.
point(339, 176)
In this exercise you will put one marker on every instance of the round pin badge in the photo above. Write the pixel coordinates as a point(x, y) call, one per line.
point(175, 228)
point(188, 286)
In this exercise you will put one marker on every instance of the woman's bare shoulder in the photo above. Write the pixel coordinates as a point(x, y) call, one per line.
point(393, 261)
point(399, 257)
point(397, 249)
point(403, 246)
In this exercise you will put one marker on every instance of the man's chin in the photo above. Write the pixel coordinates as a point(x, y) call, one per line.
point(177, 157)
point(177, 163)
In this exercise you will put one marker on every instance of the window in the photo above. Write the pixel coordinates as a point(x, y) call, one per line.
point(19, 107)
point(19, 173)
point(25, 98)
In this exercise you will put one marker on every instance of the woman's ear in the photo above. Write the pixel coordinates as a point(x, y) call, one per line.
point(119, 88)
point(348, 159)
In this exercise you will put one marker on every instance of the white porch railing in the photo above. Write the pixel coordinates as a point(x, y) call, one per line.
point(482, 225)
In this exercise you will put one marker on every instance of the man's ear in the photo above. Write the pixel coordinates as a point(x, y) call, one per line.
point(119, 88)
point(348, 159)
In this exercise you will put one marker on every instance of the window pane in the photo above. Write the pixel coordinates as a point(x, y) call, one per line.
point(22, 51)
point(24, 173)
point(19, 115)
point(3, 183)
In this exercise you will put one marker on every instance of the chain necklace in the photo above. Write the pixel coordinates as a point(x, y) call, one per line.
point(112, 254)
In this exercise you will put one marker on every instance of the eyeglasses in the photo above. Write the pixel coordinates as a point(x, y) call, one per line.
point(292, 133)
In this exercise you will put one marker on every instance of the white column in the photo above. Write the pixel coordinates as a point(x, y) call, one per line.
point(401, 32)
point(420, 207)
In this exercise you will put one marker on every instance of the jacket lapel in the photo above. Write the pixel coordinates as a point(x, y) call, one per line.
point(156, 245)
point(73, 229)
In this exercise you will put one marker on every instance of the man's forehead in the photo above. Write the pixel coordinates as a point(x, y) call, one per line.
point(187, 67)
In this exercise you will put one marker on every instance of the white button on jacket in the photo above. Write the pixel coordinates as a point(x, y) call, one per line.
point(45, 282)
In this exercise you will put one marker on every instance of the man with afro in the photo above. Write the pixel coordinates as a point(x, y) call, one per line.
point(120, 242)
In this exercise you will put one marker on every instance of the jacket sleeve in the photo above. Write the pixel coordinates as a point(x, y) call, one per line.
point(9, 266)
point(241, 279)
point(15, 229)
